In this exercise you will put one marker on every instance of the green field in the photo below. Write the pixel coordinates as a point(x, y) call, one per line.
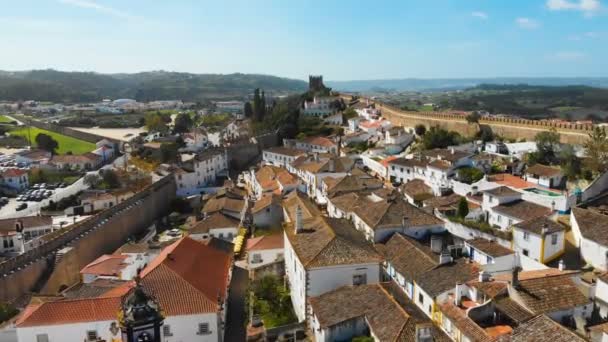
point(66, 143)
point(4, 119)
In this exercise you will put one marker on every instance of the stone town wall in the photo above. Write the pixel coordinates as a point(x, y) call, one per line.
point(97, 235)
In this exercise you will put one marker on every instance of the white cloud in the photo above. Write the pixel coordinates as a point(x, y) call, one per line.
point(527, 23)
point(89, 4)
point(586, 35)
point(587, 6)
point(569, 55)
point(480, 15)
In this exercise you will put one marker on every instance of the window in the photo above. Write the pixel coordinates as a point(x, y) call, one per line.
point(203, 329)
point(489, 260)
point(359, 279)
point(498, 218)
point(167, 330)
point(42, 338)
point(92, 335)
point(510, 222)
point(420, 298)
point(257, 258)
point(525, 252)
point(554, 239)
point(526, 236)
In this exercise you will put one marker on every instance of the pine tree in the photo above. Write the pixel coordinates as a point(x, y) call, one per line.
point(262, 107)
point(248, 110)
point(257, 102)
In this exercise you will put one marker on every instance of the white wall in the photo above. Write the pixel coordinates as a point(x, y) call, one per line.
point(227, 234)
point(297, 280)
point(268, 256)
point(322, 280)
point(601, 293)
point(73, 332)
point(185, 328)
point(532, 245)
point(344, 331)
point(467, 233)
point(594, 254)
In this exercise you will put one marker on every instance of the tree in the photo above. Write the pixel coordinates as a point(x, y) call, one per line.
point(463, 207)
point(420, 129)
point(569, 162)
point(46, 142)
point(92, 180)
point(547, 144)
point(473, 117)
point(7, 311)
point(248, 110)
point(155, 122)
point(183, 123)
point(110, 179)
point(349, 113)
point(469, 175)
point(596, 148)
point(257, 105)
point(168, 152)
point(439, 138)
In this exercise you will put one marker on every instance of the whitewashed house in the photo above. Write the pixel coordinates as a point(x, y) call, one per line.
point(15, 179)
point(323, 254)
point(539, 238)
point(216, 225)
point(201, 172)
point(503, 207)
point(320, 106)
point(590, 231)
point(483, 252)
point(114, 267)
point(264, 250)
point(313, 145)
point(281, 156)
point(547, 176)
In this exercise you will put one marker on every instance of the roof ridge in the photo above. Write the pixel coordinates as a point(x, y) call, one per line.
point(213, 302)
point(428, 257)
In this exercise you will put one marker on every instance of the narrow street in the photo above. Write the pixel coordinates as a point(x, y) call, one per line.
point(235, 323)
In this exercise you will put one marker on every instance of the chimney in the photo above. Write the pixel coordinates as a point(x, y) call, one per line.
point(452, 150)
point(561, 266)
point(299, 226)
point(445, 258)
point(423, 333)
point(457, 295)
point(332, 165)
point(515, 276)
point(18, 226)
point(484, 276)
point(404, 221)
point(316, 156)
point(545, 230)
point(436, 244)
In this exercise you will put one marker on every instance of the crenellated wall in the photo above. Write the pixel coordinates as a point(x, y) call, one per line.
point(90, 238)
point(571, 133)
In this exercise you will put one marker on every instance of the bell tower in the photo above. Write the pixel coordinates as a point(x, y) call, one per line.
point(140, 317)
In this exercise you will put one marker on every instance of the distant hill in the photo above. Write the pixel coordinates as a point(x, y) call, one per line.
point(413, 84)
point(74, 87)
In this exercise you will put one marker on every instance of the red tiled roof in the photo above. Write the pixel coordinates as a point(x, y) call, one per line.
point(188, 277)
point(8, 173)
point(106, 265)
point(274, 241)
point(70, 311)
point(320, 141)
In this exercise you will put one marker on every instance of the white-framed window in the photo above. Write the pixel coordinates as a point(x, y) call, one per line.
point(92, 335)
point(257, 258)
point(42, 338)
point(167, 330)
point(526, 236)
point(203, 329)
point(554, 239)
point(359, 279)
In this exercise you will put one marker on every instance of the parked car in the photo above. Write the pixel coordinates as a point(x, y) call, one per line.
point(21, 206)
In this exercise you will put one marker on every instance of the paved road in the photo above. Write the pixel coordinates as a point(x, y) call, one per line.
point(235, 323)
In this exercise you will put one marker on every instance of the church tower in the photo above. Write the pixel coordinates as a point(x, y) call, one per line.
point(140, 317)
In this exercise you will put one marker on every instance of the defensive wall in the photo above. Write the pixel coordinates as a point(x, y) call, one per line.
point(570, 133)
point(99, 234)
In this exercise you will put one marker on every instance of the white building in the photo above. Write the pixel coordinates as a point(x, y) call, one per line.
point(115, 267)
point(486, 252)
point(193, 302)
point(18, 235)
point(313, 145)
point(206, 167)
point(216, 225)
point(15, 179)
point(590, 231)
point(323, 254)
point(539, 238)
point(503, 207)
point(547, 176)
point(281, 156)
point(320, 106)
point(264, 250)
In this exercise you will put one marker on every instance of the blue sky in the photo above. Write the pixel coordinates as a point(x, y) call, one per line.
point(343, 40)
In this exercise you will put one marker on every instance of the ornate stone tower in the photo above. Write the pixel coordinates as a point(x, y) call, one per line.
point(315, 83)
point(140, 317)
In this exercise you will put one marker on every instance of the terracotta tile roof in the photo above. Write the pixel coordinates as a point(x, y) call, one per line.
point(268, 176)
point(295, 198)
point(292, 152)
point(214, 221)
point(35, 154)
point(329, 242)
point(502, 191)
point(544, 329)
point(416, 187)
point(70, 311)
point(442, 165)
point(488, 247)
point(351, 183)
point(514, 311)
point(266, 201)
point(444, 277)
point(408, 257)
point(100, 287)
point(466, 325)
point(522, 210)
point(592, 225)
point(9, 173)
point(175, 279)
point(443, 202)
point(106, 265)
point(223, 203)
point(537, 225)
point(9, 225)
point(75, 158)
point(543, 170)
point(319, 141)
point(451, 155)
point(274, 241)
point(392, 211)
point(408, 162)
point(383, 314)
point(550, 294)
